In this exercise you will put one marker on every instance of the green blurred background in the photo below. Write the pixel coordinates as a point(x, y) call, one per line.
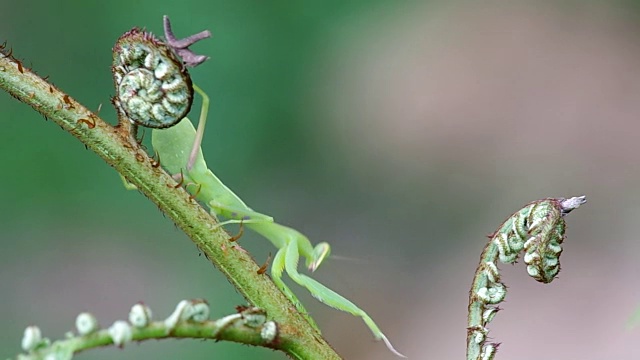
point(401, 132)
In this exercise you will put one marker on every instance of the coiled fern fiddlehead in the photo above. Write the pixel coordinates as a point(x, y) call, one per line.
point(538, 229)
point(153, 86)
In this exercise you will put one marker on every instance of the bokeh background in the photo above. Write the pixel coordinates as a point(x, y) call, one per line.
point(402, 132)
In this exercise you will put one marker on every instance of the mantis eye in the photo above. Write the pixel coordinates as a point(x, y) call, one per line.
point(153, 86)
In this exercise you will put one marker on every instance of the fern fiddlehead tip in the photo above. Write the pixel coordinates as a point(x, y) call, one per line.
point(538, 229)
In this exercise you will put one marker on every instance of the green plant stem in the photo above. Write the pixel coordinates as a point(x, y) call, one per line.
point(236, 332)
point(115, 146)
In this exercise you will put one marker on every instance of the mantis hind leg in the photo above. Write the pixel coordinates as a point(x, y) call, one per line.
point(277, 267)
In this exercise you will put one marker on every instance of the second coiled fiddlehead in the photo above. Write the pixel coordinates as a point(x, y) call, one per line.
point(538, 229)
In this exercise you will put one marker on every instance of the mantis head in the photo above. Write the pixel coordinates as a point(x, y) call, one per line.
point(320, 252)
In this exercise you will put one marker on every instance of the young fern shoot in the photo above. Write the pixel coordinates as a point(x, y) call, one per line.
point(538, 229)
point(174, 146)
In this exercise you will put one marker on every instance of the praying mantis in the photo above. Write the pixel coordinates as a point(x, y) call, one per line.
point(155, 90)
point(180, 152)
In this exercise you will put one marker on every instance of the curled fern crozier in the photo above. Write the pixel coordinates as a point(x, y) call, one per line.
point(538, 229)
point(153, 86)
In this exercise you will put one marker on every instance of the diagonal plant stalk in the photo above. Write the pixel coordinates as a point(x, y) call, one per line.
point(116, 147)
point(538, 229)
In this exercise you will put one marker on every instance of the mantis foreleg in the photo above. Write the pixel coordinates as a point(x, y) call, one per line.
point(277, 266)
point(202, 122)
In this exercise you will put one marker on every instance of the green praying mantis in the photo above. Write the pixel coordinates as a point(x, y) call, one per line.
point(180, 152)
point(154, 90)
